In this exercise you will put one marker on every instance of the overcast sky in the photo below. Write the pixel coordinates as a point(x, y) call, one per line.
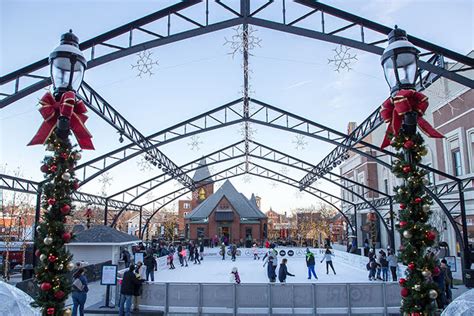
point(199, 74)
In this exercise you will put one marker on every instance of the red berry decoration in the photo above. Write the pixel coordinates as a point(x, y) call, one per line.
point(53, 168)
point(411, 266)
point(415, 314)
point(430, 235)
point(436, 271)
point(52, 258)
point(37, 253)
point(44, 168)
point(406, 169)
point(404, 292)
point(75, 185)
point(65, 209)
point(418, 200)
point(64, 155)
point(403, 224)
point(67, 237)
point(402, 206)
point(51, 201)
point(50, 311)
point(59, 294)
point(402, 281)
point(408, 144)
point(45, 286)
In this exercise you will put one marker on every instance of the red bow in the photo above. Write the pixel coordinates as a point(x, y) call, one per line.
point(394, 109)
point(68, 107)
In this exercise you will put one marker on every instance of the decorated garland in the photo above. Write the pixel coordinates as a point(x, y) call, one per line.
point(418, 290)
point(55, 263)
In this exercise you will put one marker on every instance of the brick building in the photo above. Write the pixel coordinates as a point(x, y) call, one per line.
point(227, 214)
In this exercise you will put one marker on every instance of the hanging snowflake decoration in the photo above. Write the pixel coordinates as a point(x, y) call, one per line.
point(342, 58)
point(298, 194)
point(145, 63)
point(195, 142)
point(105, 180)
point(144, 164)
point(246, 130)
point(300, 142)
point(273, 184)
point(247, 178)
point(236, 42)
point(284, 170)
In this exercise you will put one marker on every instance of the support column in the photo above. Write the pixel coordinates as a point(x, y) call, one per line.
point(465, 251)
point(105, 211)
point(140, 235)
point(37, 218)
point(392, 226)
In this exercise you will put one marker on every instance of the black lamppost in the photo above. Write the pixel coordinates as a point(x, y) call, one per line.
point(67, 66)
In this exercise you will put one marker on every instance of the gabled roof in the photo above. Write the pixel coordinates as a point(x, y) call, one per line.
point(202, 173)
point(103, 234)
point(243, 206)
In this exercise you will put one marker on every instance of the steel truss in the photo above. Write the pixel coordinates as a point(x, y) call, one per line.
point(31, 187)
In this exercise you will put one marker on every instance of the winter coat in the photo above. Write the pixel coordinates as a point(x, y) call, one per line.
point(327, 257)
point(310, 259)
point(384, 262)
point(235, 277)
point(180, 248)
point(150, 262)
point(129, 282)
point(201, 248)
point(392, 261)
point(283, 272)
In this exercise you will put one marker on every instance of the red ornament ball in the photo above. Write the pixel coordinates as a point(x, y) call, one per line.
point(45, 286)
point(65, 220)
point(402, 206)
point(37, 253)
point(411, 266)
point(53, 168)
point(67, 237)
point(52, 258)
point(406, 169)
point(431, 235)
point(50, 311)
point(64, 155)
point(402, 281)
point(51, 201)
point(65, 209)
point(415, 314)
point(436, 271)
point(44, 168)
point(404, 292)
point(418, 200)
point(75, 185)
point(408, 144)
point(59, 294)
point(403, 224)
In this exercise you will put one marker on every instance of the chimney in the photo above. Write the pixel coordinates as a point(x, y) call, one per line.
point(351, 126)
point(258, 200)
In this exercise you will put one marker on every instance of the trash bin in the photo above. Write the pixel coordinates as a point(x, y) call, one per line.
point(469, 274)
point(27, 272)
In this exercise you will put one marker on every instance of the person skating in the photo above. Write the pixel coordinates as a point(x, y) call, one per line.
point(201, 250)
point(223, 251)
point(371, 266)
point(255, 252)
point(180, 256)
point(234, 277)
point(151, 266)
point(328, 257)
point(270, 257)
point(393, 264)
point(384, 267)
point(310, 263)
point(183, 255)
point(233, 251)
point(283, 271)
point(196, 255)
point(191, 252)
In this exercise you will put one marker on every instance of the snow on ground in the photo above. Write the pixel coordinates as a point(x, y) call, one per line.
point(216, 270)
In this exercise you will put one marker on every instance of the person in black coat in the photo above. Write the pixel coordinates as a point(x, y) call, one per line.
point(180, 256)
point(129, 284)
point(151, 266)
point(196, 255)
point(201, 250)
point(283, 272)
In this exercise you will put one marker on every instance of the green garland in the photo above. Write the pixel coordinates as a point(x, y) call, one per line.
point(54, 260)
point(418, 289)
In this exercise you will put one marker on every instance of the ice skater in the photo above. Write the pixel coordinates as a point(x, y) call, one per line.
point(183, 255)
point(328, 257)
point(201, 250)
point(196, 255)
point(283, 271)
point(223, 251)
point(234, 277)
point(310, 263)
point(233, 251)
point(272, 263)
point(255, 252)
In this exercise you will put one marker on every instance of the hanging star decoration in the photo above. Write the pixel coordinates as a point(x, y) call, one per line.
point(236, 42)
point(144, 164)
point(145, 63)
point(195, 142)
point(342, 58)
point(444, 95)
point(300, 142)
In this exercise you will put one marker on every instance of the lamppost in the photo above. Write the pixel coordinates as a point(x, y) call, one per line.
point(403, 112)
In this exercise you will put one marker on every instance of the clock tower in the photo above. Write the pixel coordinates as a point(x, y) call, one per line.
point(204, 184)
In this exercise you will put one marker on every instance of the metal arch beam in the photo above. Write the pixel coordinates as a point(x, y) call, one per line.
point(31, 187)
point(222, 116)
point(103, 109)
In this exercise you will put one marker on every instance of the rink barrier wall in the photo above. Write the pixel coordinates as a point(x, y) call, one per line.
point(271, 299)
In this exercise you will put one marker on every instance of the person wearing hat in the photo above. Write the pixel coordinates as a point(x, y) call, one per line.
point(223, 251)
point(235, 277)
point(310, 263)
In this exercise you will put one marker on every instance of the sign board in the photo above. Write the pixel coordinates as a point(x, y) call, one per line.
point(109, 275)
point(138, 257)
point(451, 261)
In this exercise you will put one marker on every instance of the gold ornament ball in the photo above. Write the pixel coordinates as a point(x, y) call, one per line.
point(426, 208)
point(423, 152)
point(66, 176)
point(433, 294)
point(48, 241)
point(42, 257)
point(70, 266)
point(67, 312)
point(407, 234)
point(426, 273)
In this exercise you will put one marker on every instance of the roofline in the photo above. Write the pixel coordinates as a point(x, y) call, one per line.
point(102, 243)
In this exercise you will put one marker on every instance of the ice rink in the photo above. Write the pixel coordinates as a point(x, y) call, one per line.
point(215, 270)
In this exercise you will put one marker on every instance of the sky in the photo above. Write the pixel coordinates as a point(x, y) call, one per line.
point(199, 74)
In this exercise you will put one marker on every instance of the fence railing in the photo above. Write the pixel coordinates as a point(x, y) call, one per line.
point(272, 299)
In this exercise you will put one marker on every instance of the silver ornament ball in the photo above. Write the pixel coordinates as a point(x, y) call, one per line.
point(426, 273)
point(61, 266)
point(66, 176)
point(433, 294)
point(42, 257)
point(407, 234)
point(417, 287)
point(400, 191)
point(70, 266)
point(78, 156)
point(426, 208)
point(48, 241)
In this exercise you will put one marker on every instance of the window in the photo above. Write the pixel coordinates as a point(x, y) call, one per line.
point(200, 232)
point(186, 214)
point(470, 147)
point(187, 205)
point(248, 232)
point(456, 161)
point(385, 185)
